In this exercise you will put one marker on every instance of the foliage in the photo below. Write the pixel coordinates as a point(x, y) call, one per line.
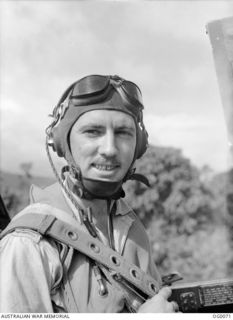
point(229, 200)
point(176, 193)
point(17, 198)
point(10, 199)
point(204, 255)
point(185, 214)
point(26, 167)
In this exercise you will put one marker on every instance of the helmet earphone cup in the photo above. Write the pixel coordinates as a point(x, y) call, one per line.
point(142, 142)
point(54, 135)
point(57, 142)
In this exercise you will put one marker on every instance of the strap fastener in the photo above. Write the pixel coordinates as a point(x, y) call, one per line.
point(45, 224)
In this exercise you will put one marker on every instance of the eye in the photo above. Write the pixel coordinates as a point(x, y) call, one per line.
point(125, 133)
point(92, 132)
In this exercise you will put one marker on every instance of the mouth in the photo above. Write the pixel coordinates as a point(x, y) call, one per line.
point(106, 167)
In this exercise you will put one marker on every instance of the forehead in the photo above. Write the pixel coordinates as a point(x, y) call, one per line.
point(105, 118)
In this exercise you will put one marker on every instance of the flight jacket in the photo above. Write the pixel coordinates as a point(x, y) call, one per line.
point(32, 266)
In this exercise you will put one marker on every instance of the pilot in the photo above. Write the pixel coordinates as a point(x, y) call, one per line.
point(98, 129)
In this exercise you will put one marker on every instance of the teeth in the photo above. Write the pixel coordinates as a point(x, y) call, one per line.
point(104, 167)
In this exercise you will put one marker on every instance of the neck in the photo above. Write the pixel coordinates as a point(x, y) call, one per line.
point(98, 209)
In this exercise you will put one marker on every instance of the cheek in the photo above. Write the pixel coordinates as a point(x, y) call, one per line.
point(81, 148)
point(76, 147)
point(129, 151)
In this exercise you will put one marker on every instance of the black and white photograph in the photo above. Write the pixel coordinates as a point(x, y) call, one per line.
point(116, 158)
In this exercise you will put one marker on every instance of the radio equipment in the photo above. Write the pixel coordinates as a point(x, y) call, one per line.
point(207, 296)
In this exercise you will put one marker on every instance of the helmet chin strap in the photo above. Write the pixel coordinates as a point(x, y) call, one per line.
point(103, 189)
point(91, 188)
point(98, 189)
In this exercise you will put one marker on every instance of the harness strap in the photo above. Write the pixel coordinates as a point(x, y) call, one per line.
point(65, 233)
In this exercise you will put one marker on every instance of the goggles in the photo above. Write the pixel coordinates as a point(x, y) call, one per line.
point(96, 88)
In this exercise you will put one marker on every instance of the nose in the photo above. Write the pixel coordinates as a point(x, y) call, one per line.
point(108, 147)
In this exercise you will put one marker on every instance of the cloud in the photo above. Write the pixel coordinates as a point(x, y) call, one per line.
point(203, 140)
point(161, 45)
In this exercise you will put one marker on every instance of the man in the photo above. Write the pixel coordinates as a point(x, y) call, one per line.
point(98, 128)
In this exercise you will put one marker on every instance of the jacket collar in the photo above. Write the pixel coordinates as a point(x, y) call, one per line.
point(54, 196)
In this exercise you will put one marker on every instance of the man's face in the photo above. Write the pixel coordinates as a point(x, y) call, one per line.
point(103, 144)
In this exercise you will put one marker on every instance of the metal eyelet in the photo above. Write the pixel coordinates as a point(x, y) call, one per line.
point(72, 235)
point(94, 247)
point(115, 260)
point(152, 287)
point(134, 273)
point(103, 292)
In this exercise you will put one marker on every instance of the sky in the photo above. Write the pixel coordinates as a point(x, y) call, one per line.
point(160, 45)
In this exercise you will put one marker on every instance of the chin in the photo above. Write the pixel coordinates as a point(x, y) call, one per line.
point(105, 176)
point(106, 179)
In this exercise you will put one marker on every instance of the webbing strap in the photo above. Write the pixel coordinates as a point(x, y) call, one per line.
point(80, 240)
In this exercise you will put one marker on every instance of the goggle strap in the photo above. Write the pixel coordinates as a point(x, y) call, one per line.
point(127, 98)
point(66, 94)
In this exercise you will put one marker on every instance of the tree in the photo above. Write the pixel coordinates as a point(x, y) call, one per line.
point(176, 193)
point(11, 199)
point(184, 215)
point(26, 168)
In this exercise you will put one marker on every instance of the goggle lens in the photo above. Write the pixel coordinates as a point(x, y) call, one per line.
point(95, 85)
point(90, 85)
